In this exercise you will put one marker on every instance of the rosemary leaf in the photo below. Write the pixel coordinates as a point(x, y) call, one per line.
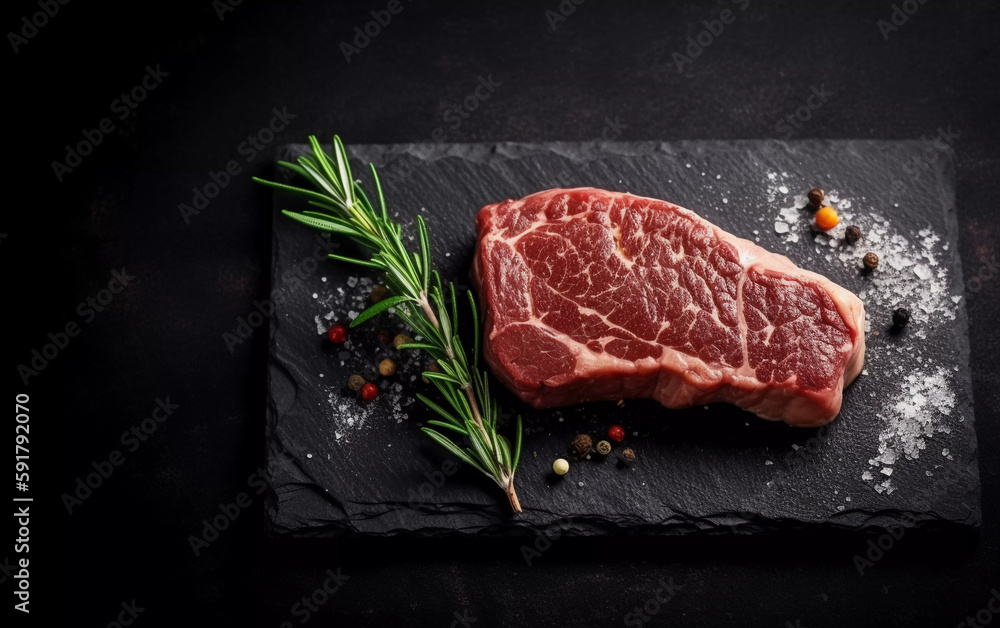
point(427, 305)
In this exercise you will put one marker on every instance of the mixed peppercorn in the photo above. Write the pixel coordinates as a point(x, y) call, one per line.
point(386, 368)
point(582, 446)
point(826, 218)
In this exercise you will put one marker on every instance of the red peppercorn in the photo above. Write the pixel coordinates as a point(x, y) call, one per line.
point(337, 333)
point(616, 433)
point(369, 391)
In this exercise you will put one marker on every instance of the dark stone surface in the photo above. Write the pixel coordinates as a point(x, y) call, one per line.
point(163, 336)
point(706, 469)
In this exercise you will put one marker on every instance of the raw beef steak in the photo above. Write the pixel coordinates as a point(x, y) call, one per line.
point(595, 295)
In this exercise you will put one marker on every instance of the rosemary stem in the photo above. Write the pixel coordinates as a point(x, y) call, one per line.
point(515, 505)
point(348, 211)
point(471, 396)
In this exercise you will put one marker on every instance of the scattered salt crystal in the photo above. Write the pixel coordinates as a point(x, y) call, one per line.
point(323, 279)
point(309, 455)
point(922, 271)
point(781, 227)
point(913, 415)
point(315, 296)
point(768, 463)
point(352, 281)
point(725, 200)
point(783, 189)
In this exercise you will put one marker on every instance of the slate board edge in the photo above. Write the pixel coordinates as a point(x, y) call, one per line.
point(735, 522)
point(949, 195)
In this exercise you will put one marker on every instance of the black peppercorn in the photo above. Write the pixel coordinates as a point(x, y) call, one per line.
point(816, 196)
point(900, 317)
point(582, 445)
point(384, 336)
point(853, 234)
point(870, 260)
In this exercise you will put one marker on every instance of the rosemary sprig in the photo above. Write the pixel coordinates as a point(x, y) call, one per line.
point(421, 300)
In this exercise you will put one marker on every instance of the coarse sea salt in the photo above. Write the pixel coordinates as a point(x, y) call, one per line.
point(911, 274)
point(910, 270)
point(919, 409)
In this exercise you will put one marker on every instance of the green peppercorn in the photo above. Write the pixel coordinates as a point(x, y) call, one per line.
point(355, 382)
point(604, 448)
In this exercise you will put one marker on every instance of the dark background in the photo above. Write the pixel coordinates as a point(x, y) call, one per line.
point(162, 336)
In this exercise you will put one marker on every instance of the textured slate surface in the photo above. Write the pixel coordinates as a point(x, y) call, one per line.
point(338, 466)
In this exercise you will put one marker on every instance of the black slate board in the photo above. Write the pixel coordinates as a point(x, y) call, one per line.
point(339, 466)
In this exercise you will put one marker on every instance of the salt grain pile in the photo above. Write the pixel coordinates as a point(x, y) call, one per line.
point(910, 274)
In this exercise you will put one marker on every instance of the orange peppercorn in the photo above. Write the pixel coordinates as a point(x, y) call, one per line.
point(827, 218)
